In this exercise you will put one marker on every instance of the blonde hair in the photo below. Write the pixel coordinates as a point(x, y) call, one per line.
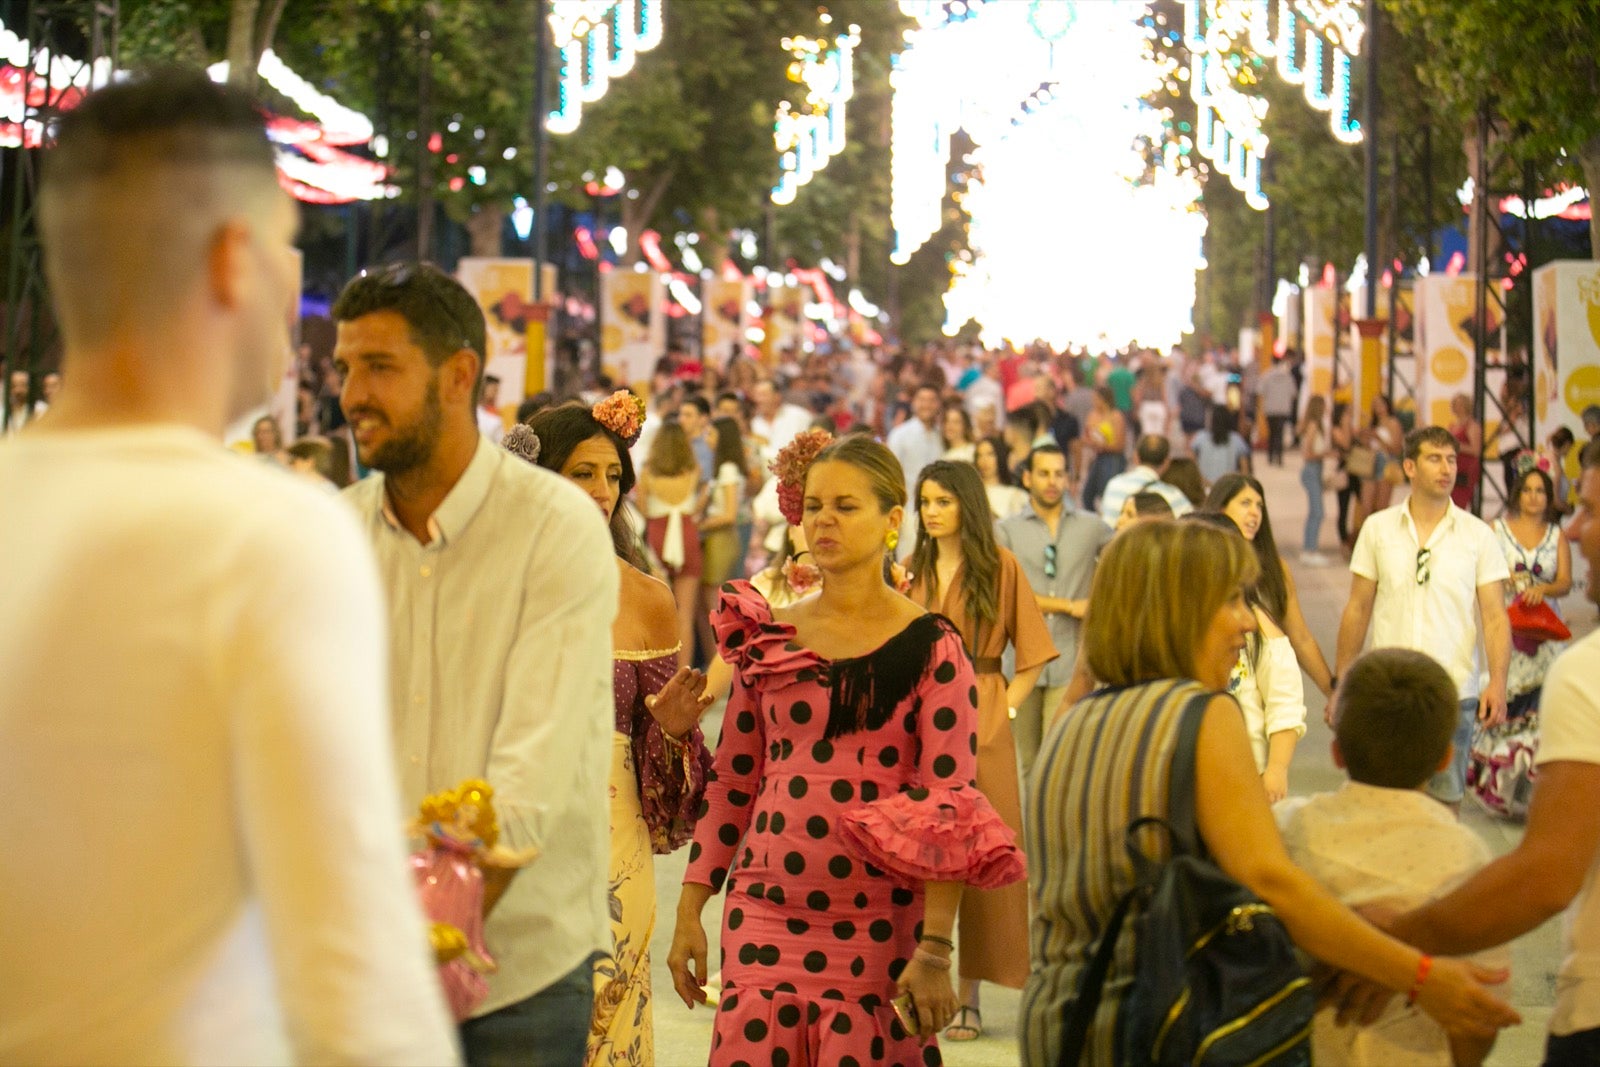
point(442, 807)
point(1156, 589)
point(670, 452)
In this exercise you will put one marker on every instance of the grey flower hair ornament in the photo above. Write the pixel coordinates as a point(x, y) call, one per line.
point(520, 440)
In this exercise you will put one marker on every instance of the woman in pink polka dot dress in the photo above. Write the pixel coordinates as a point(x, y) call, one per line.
point(840, 810)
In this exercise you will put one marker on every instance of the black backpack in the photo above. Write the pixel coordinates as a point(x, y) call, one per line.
point(1194, 410)
point(1217, 981)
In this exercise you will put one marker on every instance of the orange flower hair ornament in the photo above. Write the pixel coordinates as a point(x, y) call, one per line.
point(790, 466)
point(623, 414)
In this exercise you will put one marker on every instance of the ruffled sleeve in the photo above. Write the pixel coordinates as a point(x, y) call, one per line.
point(761, 651)
point(939, 827)
point(671, 772)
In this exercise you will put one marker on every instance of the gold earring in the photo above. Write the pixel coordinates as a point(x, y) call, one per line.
point(892, 540)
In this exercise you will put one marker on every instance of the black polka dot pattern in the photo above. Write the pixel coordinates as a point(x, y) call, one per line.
point(813, 934)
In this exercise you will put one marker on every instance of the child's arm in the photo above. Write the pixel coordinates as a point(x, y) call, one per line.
point(1280, 751)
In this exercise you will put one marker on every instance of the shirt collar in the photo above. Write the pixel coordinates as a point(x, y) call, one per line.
point(456, 510)
point(1067, 508)
point(1446, 524)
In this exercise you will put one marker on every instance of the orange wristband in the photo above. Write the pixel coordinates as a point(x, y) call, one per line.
point(1424, 968)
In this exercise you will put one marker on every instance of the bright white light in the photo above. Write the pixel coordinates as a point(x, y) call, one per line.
point(1067, 249)
point(509, 154)
point(380, 146)
point(522, 218)
point(615, 179)
point(691, 260)
point(684, 296)
point(619, 240)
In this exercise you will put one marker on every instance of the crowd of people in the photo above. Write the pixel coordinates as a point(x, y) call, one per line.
point(968, 610)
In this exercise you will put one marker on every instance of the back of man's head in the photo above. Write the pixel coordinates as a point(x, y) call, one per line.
point(1395, 717)
point(142, 178)
point(1153, 450)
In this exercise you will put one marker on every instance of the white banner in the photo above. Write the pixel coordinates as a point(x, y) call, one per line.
point(633, 327)
point(1566, 345)
point(1445, 348)
point(1319, 337)
point(724, 320)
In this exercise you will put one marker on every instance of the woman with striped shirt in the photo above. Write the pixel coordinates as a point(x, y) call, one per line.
point(1105, 762)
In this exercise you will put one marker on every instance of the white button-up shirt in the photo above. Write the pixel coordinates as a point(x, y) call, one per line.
point(204, 858)
point(502, 670)
point(1438, 616)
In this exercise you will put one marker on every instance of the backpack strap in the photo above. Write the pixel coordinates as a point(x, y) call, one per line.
point(1084, 1006)
point(1180, 789)
point(1180, 825)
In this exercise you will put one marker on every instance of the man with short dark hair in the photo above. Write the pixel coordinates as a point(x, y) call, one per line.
point(200, 765)
point(1057, 546)
point(1153, 452)
point(1556, 864)
point(502, 590)
point(694, 415)
point(1420, 572)
point(916, 443)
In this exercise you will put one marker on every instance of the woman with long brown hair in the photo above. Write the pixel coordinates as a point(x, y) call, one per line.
point(959, 571)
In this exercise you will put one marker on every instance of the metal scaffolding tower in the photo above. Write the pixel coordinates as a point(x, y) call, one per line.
point(64, 39)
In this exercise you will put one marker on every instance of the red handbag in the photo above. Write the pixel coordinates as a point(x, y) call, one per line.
point(1536, 623)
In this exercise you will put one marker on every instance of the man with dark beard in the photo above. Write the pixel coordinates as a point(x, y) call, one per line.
point(502, 590)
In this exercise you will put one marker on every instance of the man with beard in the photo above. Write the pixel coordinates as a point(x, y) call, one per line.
point(1057, 546)
point(502, 590)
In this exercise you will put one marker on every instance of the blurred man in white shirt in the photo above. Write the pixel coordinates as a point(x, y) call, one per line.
point(206, 864)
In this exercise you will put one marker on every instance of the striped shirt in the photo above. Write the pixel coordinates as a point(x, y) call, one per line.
point(1104, 763)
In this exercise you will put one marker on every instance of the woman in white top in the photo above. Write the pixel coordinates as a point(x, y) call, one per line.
point(1386, 437)
point(1314, 452)
point(1150, 402)
point(955, 426)
point(667, 494)
point(1005, 499)
point(1266, 683)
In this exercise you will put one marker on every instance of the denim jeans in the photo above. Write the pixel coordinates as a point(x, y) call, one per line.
point(548, 1029)
point(1450, 784)
point(1581, 1049)
point(1311, 482)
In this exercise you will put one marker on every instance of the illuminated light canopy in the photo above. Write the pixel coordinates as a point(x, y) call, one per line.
point(596, 41)
point(809, 134)
point(1312, 41)
point(1063, 213)
point(56, 82)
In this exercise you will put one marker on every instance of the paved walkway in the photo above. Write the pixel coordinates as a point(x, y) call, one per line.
point(683, 1038)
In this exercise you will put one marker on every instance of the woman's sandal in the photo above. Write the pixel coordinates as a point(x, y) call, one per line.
point(959, 1029)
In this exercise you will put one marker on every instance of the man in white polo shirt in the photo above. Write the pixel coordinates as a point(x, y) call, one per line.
point(1556, 865)
point(1421, 573)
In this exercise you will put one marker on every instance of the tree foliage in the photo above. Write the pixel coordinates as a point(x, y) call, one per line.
point(1535, 64)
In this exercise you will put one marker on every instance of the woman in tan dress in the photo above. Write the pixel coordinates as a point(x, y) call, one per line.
point(959, 571)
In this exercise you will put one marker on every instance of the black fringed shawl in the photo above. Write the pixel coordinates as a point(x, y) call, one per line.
point(863, 692)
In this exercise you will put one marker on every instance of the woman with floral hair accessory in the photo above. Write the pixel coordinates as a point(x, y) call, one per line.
point(659, 758)
point(845, 768)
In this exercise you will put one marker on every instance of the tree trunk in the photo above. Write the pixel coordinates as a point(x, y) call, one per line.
point(636, 213)
point(242, 54)
point(1589, 160)
point(269, 26)
point(1469, 148)
point(484, 227)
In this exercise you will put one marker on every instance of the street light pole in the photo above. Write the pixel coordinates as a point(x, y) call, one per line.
point(541, 142)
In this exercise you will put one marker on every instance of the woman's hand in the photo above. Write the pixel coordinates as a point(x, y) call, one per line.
point(931, 991)
point(688, 948)
point(678, 705)
point(1454, 995)
point(1533, 596)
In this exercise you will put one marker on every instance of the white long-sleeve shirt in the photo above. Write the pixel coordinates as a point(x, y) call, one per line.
point(502, 670)
point(204, 861)
point(1270, 694)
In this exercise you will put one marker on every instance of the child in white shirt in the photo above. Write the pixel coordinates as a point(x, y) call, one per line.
point(1266, 683)
point(1381, 840)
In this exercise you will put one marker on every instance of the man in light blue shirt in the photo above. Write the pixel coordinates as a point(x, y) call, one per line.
point(1057, 546)
point(916, 443)
point(1153, 453)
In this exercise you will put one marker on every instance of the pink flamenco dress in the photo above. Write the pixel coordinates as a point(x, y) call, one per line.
point(839, 788)
point(656, 786)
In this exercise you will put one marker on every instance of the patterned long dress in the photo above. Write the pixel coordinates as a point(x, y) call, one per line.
point(656, 786)
point(840, 787)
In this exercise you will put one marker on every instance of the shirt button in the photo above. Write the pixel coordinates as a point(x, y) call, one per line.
point(427, 571)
